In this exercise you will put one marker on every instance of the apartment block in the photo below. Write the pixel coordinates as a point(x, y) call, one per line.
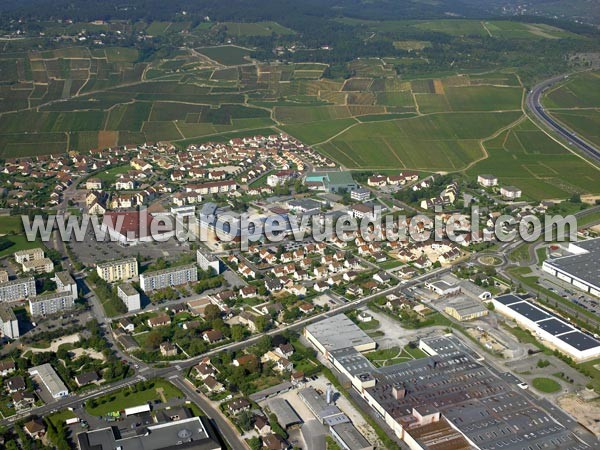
point(43, 265)
point(130, 296)
point(19, 289)
point(9, 326)
point(118, 270)
point(45, 305)
point(29, 255)
point(207, 261)
point(65, 283)
point(175, 276)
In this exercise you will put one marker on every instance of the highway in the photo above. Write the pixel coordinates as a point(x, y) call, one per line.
point(534, 104)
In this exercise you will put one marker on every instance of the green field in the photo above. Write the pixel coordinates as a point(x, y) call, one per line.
point(436, 142)
point(228, 55)
point(313, 133)
point(546, 385)
point(527, 158)
point(256, 28)
point(126, 397)
point(579, 91)
point(576, 103)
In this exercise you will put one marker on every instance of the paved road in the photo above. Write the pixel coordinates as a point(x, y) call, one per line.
point(534, 104)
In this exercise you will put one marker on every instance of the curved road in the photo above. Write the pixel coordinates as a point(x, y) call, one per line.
point(534, 104)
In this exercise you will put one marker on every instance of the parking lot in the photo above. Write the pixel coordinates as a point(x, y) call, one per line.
point(569, 292)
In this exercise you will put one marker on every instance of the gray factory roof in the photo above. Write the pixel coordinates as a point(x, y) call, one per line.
point(284, 412)
point(354, 362)
point(490, 411)
point(584, 265)
point(50, 379)
point(189, 434)
point(508, 299)
point(351, 436)
point(338, 332)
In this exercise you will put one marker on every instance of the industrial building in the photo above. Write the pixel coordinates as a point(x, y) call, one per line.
point(549, 328)
point(130, 296)
point(338, 332)
point(334, 181)
point(340, 426)
point(286, 416)
point(174, 276)
point(118, 270)
point(19, 289)
point(448, 400)
point(193, 433)
point(48, 304)
point(581, 268)
point(464, 309)
point(9, 325)
point(50, 379)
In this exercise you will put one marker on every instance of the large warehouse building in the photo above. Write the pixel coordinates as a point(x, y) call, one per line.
point(551, 329)
point(448, 400)
point(581, 268)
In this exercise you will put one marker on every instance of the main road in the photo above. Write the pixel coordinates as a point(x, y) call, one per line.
point(534, 104)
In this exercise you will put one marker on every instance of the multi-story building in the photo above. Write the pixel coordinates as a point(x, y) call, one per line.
point(45, 305)
point(207, 261)
point(486, 180)
point(19, 289)
point(65, 283)
point(43, 265)
point(118, 270)
point(9, 325)
point(130, 296)
point(510, 192)
point(360, 194)
point(175, 276)
point(29, 255)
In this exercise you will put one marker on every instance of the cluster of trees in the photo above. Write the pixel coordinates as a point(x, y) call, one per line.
point(106, 292)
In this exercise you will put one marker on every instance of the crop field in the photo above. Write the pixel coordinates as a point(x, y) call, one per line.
point(256, 29)
point(527, 158)
point(437, 142)
point(228, 55)
point(586, 123)
point(576, 103)
point(468, 27)
point(579, 91)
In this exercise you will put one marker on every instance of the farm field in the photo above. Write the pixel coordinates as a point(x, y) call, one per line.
point(469, 27)
point(256, 28)
point(527, 158)
point(576, 103)
point(436, 142)
point(228, 55)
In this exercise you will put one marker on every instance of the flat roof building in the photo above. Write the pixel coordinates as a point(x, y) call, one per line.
point(48, 304)
point(50, 380)
point(449, 399)
point(550, 328)
point(581, 268)
point(130, 296)
point(207, 261)
point(338, 332)
point(175, 276)
point(193, 433)
point(19, 289)
point(9, 325)
point(118, 270)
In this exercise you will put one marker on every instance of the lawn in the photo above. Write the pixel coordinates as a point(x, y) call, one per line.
point(546, 385)
point(21, 243)
point(126, 397)
point(10, 224)
point(110, 176)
